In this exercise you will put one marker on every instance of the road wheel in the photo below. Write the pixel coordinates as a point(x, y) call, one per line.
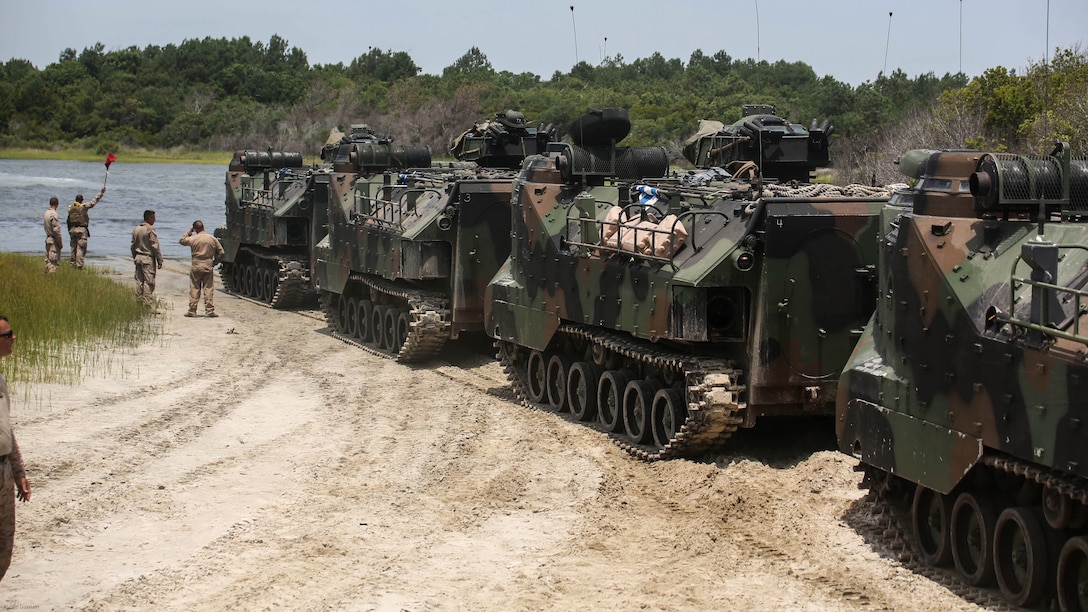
point(343, 315)
point(404, 321)
point(610, 398)
point(351, 317)
point(1021, 556)
point(237, 278)
point(389, 330)
point(258, 285)
point(377, 325)
point(931, 515)
point(1073, 575)
point(669, 413)
point(250, 282)
point(366, 312)
point(270, 278)
point(556, 381)
point(582, 390)
point(973, 522)
point(536, 380)
point(638, 400)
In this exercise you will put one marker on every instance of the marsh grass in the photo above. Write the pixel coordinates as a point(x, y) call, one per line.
point(128, 156)
point(69, 323)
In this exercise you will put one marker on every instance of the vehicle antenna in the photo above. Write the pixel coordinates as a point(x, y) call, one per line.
point(887, 44)
point(575, 27)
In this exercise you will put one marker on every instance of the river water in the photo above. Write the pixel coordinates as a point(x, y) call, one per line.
point(178, 193)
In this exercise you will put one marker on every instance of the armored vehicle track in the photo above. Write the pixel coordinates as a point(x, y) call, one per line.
point(277, 280)
point(910, 526)
point(654, 403)
point(389, 319)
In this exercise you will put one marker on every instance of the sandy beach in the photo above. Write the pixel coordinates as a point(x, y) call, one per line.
point(254, 462)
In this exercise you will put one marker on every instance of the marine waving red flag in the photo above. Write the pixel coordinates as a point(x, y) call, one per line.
point(110, 158)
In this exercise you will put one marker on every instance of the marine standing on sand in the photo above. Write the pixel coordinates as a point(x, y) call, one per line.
point(207, 251)
point(147, 257)
point(54, 242)
point(79, 227)
point(13, 481)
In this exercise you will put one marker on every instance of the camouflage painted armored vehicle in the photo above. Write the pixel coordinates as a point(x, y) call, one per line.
point(780, 149)
point(966, 400)
point(669, 311)
point(270, 206)
point(266, 237)
point(406, 259)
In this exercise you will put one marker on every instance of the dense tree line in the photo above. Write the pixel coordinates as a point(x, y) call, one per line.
point(221, 94)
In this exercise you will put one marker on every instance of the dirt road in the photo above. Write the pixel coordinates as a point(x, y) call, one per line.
point(254, 462)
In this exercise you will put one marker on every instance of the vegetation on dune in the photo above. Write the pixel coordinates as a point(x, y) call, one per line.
point(68, 323)
point(222, 95)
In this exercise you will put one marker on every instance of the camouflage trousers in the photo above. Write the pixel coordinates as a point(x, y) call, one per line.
point(201, 281)
point(52, 255)
point(145, 282)
point(78, 237)
point(7, 516)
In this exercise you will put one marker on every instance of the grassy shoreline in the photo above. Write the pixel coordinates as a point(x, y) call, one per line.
point(129, 156)
point(70, 322)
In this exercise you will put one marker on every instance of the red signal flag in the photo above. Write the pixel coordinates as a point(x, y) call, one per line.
point(110, 158)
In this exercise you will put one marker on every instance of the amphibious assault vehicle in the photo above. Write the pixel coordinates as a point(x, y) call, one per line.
point(670, 310)
point(266, 237)
point(404, 261)
point(966, 399)
point(271, 203)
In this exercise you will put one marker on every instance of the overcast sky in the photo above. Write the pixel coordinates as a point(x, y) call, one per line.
point(851, 40)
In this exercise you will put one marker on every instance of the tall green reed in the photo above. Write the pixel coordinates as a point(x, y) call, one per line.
point(69, 323)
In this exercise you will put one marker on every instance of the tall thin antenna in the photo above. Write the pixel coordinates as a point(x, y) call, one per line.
point(605, 53)
point(1046, 55)
point(887, 44)
point(575, 27)
point(961, 36)
point(757, 31)
point(1046, 76)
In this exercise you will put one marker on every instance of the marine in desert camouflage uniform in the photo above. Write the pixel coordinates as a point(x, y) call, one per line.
point(79, 227)
point(207, 253)
point(54, 241)
point(13, 480)
point(147, 257)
